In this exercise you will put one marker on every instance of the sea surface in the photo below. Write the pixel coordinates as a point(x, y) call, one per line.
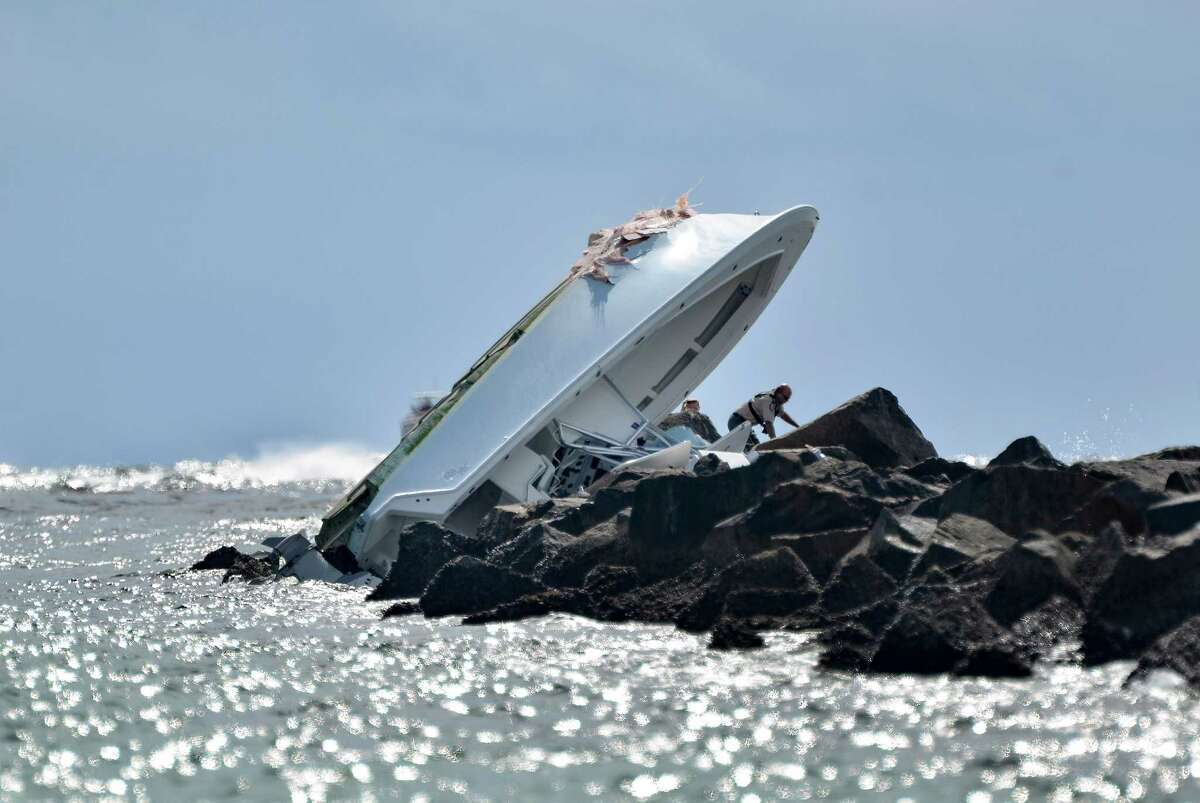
point(122, 679)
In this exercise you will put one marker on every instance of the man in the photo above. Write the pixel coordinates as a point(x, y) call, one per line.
point(690, 406)
point(762, 411)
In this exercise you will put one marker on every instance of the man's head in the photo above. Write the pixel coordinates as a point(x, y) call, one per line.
point(782, 393)
point(691, 406)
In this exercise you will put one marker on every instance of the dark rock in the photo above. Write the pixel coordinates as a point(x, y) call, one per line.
point(959, 540)
point(874, 426)
point(568, 514)
point(423, 549)
point(1028, 574)
point(531, 546)
point(849, 642)
point(503, 522)
point(709, 464)
point(608, 581)
point(944, 631)
point(857, 582)
point(821, 552)
point(1179, 482)
point(1098, 558)
point(1002, 661)
point(1151, 590)
point(775, 568)
point(1056, 622)
point(220, 558)
point(730, 634)
point(1188, 453)
point(672, 514)
point(252, 569)
point(894, 545)
point(1124, 502)
point(659, 601)
point(698, 423)
point(1149, 470)
point(1175, 515)
point(941, 470)
point(773, 604)
point(1021, 498)
point(929, 509)
point(469, 585)
point(915, 643)
point(1027, 451)
point(531, 605)
point(342, 559)
point(1178, 651)
point(773, 583)
point(403, 608)
point(570, 563)
point(801, 506)
point(888, 487)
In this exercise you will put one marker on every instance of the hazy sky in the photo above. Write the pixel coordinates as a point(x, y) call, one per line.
point(224, 224)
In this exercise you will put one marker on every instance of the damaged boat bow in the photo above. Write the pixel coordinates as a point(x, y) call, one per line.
point(572, 390)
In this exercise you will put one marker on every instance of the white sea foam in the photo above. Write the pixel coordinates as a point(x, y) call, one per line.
point(973, 460)
point(321, 464)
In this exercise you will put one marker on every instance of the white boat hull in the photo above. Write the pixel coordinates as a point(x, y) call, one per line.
point(575, 392)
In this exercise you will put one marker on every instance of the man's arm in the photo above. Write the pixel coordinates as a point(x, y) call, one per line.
point(787, 418)
point(769, 428)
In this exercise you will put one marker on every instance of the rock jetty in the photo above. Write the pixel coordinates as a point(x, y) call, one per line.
point(854, 527)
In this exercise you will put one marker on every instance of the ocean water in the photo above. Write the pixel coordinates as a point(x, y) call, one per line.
point(120, 680)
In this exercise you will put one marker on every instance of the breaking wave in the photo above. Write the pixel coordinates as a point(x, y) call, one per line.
point(319, 467)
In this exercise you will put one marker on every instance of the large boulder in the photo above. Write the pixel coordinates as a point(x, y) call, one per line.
point(857, 582)
point(821, 552)
point(774, 583)
point(220, 558)
point(1175, 515)
point(1027, 451)
point(1179, 482)
point(540, 603)
point(959, 540)
point(660, 600)
point(572, 560)
point(732, 634)
point(673, 513)
point(1177, 651)
point(1051, 631)
point(1124, 502)
point(534, 544)
point(940, 630)
point(1098, 557)
point(1028, 574)
point(874, 426)
point(503, 522)
point(894, 544)
point(1151, 589)
point(422, 549)
point(887, 486)
point(1151, 471)
point(1020, 498)
point(801, 506)
point(468, 585)
point(939, 470)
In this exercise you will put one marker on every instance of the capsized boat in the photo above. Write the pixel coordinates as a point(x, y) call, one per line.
point(573, 390)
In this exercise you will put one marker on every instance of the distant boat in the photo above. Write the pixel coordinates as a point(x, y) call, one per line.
point(573, 388)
